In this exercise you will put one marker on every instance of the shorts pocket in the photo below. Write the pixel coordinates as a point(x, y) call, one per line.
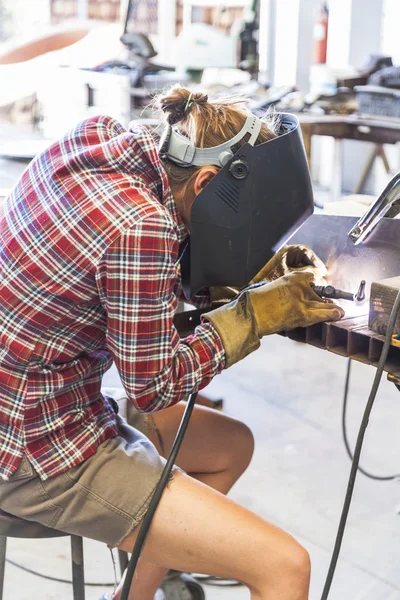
point(50, 511)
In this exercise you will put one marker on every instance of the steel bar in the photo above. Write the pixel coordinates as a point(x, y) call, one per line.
point(351, 338)
point(375, 259)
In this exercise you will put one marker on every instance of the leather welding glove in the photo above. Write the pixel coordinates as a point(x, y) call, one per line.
point(292, 258)
point(281, 305)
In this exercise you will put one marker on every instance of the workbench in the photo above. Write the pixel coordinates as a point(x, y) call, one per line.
point(378, 130)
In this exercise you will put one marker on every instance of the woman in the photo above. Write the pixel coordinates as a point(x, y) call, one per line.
point(90, 242)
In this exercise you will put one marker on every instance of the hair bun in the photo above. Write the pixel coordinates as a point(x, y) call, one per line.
point(200, 98)
point(178, 103)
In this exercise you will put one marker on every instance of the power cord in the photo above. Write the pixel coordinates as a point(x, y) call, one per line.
point(345, 436)
point(201, 579)
point(56, 579)
point(358, 447)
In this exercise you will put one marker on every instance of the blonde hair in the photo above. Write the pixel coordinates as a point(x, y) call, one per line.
point(206, 123)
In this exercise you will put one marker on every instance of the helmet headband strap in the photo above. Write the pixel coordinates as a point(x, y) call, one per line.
point(177, 148)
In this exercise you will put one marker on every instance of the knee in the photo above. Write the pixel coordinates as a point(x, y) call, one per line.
point(244, 440)
point(248, 443)
point(301, 564)
point(297, 565)
point(290, 575)
point(287, 572)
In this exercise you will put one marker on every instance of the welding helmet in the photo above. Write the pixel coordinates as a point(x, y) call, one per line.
point(260, 196)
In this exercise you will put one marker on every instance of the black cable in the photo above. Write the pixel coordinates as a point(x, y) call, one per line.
point(165, 476)
point(346, 439)
point(58, 580)
point(357, 450)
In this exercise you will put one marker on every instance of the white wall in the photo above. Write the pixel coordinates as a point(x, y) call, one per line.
point(82, 9)
point(28, 16)
point(287, 19)
point(390, 30)
point(286, 52)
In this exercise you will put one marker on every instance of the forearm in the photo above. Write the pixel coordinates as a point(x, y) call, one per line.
point(192, 364)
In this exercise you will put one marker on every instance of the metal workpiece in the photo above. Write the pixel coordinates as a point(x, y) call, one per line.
point(386, 205)
point(375, 259)
point(350, 337)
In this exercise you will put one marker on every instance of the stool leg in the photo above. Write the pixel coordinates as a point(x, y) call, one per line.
point(78, 575)
point(123, 561)
point(3, 546)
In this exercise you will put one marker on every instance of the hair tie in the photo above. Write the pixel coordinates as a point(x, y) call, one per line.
point(188, 104)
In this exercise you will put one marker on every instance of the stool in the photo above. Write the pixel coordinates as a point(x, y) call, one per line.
point(11, 526)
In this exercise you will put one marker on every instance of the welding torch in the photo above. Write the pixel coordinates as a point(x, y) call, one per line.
point(332, 293)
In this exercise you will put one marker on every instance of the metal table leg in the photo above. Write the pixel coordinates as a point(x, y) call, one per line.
point(3, 546)
point(123, 561)
point(78, 575)
point(337, 171)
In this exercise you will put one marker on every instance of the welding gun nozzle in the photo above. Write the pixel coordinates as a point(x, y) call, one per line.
point(328, 291)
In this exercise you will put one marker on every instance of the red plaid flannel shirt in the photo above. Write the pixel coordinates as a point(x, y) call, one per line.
point(89, 247)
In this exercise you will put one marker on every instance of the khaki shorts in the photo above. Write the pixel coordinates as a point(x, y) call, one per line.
point(104, 498)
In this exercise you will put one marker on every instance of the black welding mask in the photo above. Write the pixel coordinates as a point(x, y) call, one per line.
point(260, 196)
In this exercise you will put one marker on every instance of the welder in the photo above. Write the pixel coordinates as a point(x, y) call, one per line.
point(99, 238)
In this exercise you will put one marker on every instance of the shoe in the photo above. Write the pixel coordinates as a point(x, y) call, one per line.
point(182, 586)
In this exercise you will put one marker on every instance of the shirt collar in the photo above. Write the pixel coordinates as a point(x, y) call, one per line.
point(141, 157)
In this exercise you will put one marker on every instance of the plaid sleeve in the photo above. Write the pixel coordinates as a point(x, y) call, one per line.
point(136, 278)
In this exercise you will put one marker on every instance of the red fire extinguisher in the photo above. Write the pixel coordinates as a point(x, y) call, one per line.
point(320, 36)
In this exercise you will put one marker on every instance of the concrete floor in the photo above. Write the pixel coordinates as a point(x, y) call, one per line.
point(290, 395)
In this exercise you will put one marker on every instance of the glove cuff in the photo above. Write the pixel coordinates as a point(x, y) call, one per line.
point(236, 325)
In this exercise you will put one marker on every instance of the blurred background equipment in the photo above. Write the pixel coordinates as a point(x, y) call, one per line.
point(334, 64)
point(320, 35)
point(223, 43)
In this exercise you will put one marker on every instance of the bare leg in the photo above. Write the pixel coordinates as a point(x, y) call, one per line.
point(216, 451)
point(197, 528)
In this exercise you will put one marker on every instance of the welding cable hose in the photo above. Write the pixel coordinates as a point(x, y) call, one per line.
point(345, 436)
point(161, 485)
point(358, 447)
